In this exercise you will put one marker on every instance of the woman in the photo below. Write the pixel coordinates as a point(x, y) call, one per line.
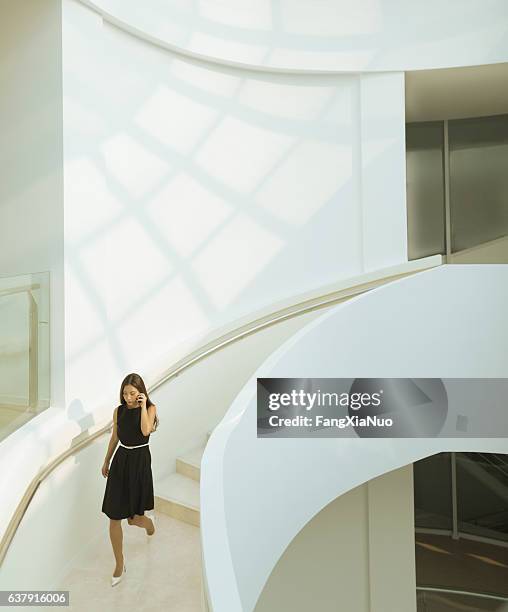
point(129, 486)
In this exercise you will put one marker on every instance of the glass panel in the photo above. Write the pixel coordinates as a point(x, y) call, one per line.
point(476, 564)
point(425, 189)
point(461, 565)
point(24, 349)
point(15, 348)
point(482, 494)
point(479, 183)
point(430, 601)
point(432, 492)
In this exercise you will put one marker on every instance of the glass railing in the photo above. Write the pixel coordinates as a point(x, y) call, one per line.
point(24, 349)
point(476, 484)
point(444, 600)
point(482, 494)
point(433, 492)
point(461, 522)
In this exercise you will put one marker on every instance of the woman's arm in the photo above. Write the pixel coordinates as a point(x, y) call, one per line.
point(147, 418)
point(113, 441)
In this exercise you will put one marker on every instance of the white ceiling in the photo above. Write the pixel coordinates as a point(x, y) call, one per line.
point(453, 93)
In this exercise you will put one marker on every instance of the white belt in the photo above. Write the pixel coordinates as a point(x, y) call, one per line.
point(138, 446)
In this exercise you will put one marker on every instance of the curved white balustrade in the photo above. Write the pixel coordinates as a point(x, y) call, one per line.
point(257, 494)
point(330, 35)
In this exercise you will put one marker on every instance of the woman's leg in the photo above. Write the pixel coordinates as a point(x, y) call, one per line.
point(142, 521)
point(116, 535)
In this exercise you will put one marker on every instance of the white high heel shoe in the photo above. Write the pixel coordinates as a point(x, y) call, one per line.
point(116, 579)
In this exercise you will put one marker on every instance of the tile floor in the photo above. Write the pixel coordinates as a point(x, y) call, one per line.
point(163, 573)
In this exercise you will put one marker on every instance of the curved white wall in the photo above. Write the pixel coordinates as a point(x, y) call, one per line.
point(195, 194)
point(342, 553)
point(257, 494)
point(330, 35)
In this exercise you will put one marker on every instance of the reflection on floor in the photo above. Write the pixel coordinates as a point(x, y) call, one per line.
point(163, 571)
point(462, 565)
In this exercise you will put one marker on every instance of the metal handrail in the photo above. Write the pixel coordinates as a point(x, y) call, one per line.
point(11, 290)
point(462, 535)
point(458, 592)
point(299, 308)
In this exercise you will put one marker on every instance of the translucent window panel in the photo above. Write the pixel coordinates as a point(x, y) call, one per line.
point(478, 180)
point(432, 492)
point(482, 494)
point(425, 189)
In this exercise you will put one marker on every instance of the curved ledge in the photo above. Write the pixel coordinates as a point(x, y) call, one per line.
point(322, 45)
point(298, 305)
point(444, 327)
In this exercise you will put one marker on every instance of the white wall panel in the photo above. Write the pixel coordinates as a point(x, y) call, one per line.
point(383, 158)
point(31, 206)
point(195, 194)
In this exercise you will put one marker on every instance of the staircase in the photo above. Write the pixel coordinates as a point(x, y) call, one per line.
point(178, 494)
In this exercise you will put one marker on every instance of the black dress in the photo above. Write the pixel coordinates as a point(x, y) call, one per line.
point(129, 487)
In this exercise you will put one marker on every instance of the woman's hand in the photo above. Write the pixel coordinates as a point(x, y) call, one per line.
point(141, 397)
point(105, 469)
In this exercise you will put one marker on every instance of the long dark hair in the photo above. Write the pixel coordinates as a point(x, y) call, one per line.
point(136, 381)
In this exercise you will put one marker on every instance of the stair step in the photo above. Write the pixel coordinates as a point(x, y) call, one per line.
point(178, 497)
point(189, 464)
